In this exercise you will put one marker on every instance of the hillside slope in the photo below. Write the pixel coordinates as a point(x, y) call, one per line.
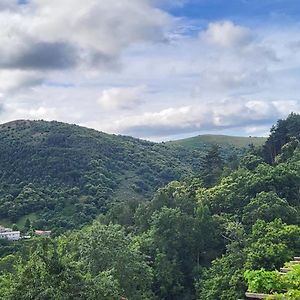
point(224, 141)
point(61, 175)
point(65, 174)
point(189, 242)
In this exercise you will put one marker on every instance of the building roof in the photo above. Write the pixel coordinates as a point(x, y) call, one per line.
point(43, 232)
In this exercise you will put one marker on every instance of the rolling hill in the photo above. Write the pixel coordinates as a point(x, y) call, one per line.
point(63, 176)
point(224, 141)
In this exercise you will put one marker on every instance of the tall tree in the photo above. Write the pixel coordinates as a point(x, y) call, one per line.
point(212, 166)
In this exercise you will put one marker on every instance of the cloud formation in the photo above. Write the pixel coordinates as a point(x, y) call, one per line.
point(131, 67)
point(39, 56)
point(12, 81)
point(227, 34)
point(8, 4)
point(187, 119)
point(122, 97)
point(55, 35)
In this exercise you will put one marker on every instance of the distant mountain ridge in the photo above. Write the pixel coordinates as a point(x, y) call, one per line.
point(201, 141)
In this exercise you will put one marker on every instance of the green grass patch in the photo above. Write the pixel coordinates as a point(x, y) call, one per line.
point(20, 223)
point(236, 141)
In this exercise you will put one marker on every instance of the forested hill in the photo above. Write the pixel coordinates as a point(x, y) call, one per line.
point(64, 175)
point(224, 141)
point(208, 238)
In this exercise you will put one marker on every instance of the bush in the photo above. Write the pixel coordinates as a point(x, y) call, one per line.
point(262, 281)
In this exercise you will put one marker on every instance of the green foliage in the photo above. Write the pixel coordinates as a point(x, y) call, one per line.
point(268, 206)
point(251, 198)
point(283, 286)
point(212, 167)
point(98, 262)
point(271, 244)
point(268, 246)
point(262, 281)
point(285, 131)
point(106, 248)
point(67, 174)
point(178, 235)
point(223, 280)
point(47, 275)
point(250, 161)
point(203, 237)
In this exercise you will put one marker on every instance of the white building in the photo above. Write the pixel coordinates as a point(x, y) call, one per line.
point(10, 235)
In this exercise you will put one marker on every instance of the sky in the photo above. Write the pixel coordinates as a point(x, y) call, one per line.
point(152, 69)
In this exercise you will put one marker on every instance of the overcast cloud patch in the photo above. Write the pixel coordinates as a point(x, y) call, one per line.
point(41, 56)
point(201, 118)
point(89, 62)
point(88, 35)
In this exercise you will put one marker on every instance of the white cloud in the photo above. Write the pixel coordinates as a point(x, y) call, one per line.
point(228, 114)
point(121, 97)
point(38, 113)
point(89, 62)
point(16, 80)
point(34, 113)
point(47, 35)
point(227, 34)
point(106, 26)
point(229, 81)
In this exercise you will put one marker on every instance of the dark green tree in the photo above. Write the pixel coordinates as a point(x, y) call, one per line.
point(212, 167)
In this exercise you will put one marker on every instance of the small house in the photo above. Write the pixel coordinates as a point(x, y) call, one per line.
point(44, 233)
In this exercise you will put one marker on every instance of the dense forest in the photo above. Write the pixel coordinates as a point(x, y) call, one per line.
point(61, 176)
point(216, 226)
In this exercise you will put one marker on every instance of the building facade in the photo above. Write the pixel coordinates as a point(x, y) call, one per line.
point(10, 235)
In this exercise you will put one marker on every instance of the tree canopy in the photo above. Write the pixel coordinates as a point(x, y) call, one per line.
point(210, 237)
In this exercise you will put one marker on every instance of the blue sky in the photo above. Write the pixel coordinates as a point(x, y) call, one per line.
point(238, 10)
point(154, 69)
